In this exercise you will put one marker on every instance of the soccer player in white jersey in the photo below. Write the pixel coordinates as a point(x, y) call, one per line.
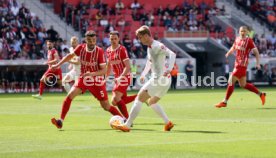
point(74, 74)
point(158, 85)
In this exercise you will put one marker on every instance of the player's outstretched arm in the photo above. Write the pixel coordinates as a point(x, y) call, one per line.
point(75, 61)
point(257, 55)
point(231, 51)
point(108, 69)
point(63, 60)
point(146, 69)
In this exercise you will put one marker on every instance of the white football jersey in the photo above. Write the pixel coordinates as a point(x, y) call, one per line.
point(76, 68)
point(157, 53)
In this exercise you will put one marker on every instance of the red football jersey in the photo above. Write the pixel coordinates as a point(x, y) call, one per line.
point(243, 48)
point(90, 60)
point(116, 58)
point(52, 54)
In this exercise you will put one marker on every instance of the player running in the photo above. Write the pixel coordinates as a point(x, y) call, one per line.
point(55, 75)
point(159, 83)
point(242, 45)
point(93, 69)
point(118, 61)
point(74, 74)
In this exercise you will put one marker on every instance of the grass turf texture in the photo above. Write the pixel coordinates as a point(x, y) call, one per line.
point(243, 129)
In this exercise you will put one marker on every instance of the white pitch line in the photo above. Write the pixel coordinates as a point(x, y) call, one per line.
point(135, 145)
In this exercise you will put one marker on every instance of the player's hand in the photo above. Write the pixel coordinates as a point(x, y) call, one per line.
point(142, 79)
point(118, 80)
point(226, 55)
point(258, 66)
point(166, 73)
point(54, 66)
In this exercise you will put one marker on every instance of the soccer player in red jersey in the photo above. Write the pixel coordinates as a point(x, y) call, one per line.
point(118, 61)
point(93, 69)
point(51, 74)
point(243, 45)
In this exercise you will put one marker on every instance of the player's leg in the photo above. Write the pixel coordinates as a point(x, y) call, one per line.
point(230, 88)
point(66, 106)
point(98, 90)
point(158, 109)
point(129, 99)
point(119, 102)
point(41, 87)
point(137, 105)
point(66, 82)
point(252, 88)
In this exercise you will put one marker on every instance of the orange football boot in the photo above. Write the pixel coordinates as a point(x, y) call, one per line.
point(168, 126)
point(221, 104)
point(262, 96)
point(57, 123)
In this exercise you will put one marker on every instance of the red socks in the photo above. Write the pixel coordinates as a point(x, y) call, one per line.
point(41, 87)
point(128, 99)
point(114, 111)
point(65, 107)
point(122, 107)
point(251, 88)
point(229, 91)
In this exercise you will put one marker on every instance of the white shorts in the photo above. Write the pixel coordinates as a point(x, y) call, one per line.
point(157, 87)
point(73, 76)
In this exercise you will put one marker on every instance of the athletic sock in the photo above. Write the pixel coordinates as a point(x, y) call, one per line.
point(41, 87)
point(114, 111)
point(135, 109)
point(122, 107)
point(158, 109)
point(67, 87)
point(129, 99)
point(252, 88)
point(65, 107)
point(229, 92)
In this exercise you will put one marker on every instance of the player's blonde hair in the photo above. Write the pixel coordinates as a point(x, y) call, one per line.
point(143, 30)
point(74, 38)
point(245, 27)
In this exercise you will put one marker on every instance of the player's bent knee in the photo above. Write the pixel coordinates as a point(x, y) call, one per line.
point(114, 102)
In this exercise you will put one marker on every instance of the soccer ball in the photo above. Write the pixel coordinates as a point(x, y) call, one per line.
point(115, 119)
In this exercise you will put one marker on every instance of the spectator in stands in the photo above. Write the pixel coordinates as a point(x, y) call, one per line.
point(110, 27)
point(119, 5)
point(135, 5)
point(273, 74)
point(272, 39)
point(263, 44)
point(121, 22)
point(127, 43)
point(106, 41)
point(37, 23)
point(104, 22)
point(52, 34)
point(174, 74)
point(189, 72)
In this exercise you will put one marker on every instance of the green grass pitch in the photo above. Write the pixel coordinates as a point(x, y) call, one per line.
point(244, 129)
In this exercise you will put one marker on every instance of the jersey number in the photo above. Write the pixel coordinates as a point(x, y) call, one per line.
point(102, 94)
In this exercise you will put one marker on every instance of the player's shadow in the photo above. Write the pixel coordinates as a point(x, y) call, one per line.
point(198, 131)
point(267, 108)
point(149, 124)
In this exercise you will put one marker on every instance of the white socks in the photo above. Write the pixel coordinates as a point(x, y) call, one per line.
point(135, 109)
point(67, 87)
point(158, 109)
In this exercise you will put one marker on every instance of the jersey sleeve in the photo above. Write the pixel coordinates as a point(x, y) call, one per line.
point(124, 54)
point(170, 54)
point(101, 57)
point(77, 50)
point(251, 44)
point(55, 55)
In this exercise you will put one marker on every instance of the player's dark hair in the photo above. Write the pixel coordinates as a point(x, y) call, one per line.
point(114, 33)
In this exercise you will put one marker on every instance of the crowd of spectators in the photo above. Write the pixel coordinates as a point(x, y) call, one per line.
point(22, 33)
point(262, 9)
point(104, 18)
